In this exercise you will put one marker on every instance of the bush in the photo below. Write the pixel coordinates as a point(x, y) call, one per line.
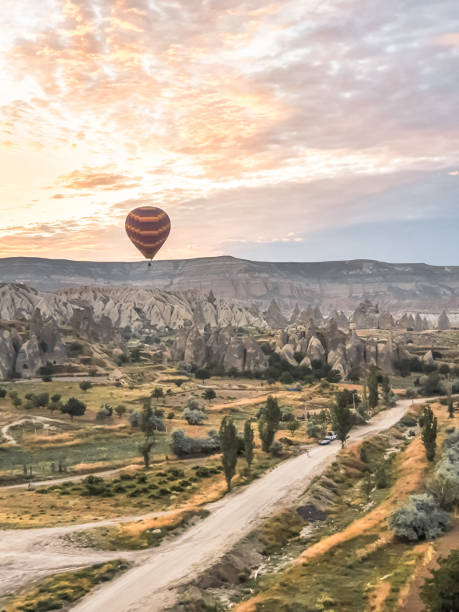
point(194, 417)
point(2, 392)
point(183, 445)
point(408, 420)
point(445, 484)
point(421, 518)
point(134, 419)
point(41, 400)
point(105, 412)
point(85, 385)
point(276, 449)
point(432, 385)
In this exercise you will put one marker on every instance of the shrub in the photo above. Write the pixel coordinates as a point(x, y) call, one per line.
point(276, 449)
point(421, 518)
point(194, 417)
point(134, 419)
point(41, 400)
point(74, 407)
point(2, 392)
point(120, 410)
point(104, 412)
point(183, 445)
point(408, 420)
point(85, 385)
point(93, 485)
point(445, 484)
point(432, 385)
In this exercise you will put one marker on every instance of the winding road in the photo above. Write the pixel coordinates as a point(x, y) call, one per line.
point(146, 586)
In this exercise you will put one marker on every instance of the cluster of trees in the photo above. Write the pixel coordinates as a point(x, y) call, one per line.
point(409, 365)
point(280, 370)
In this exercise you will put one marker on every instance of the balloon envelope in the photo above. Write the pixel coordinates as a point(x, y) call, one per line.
point(148, 228)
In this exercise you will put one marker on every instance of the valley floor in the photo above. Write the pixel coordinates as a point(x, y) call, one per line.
point(147, 584)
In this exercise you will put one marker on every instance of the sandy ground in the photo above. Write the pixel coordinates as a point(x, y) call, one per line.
point(147, 586)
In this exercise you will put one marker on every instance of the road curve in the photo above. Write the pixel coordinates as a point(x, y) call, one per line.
point(144, 587)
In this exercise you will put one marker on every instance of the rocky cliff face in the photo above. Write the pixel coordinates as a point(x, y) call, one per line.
point(337, 285)
point(94, 311)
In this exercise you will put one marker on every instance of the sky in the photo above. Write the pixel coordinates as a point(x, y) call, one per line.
point(292, 130)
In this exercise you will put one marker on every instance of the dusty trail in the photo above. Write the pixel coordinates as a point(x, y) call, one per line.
point(146, 586)
point(40, 420)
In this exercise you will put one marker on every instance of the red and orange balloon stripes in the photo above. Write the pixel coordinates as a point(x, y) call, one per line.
point(148, 228)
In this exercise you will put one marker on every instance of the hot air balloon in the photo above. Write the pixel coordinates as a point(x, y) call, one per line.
point(148, 228)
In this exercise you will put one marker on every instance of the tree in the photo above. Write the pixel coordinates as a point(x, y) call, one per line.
point(428, 422)
point(450, 406)
point(372, 382)
point(268, 422)
point(293, 426)
point(387, 391)
point(203, 374)
point(440, 593)
point(120, 410)
point(157, 392)
point(286, 378)
point(248, 443)
point(209, 394)
point(343, 420)
point(2, 392)
point(149, 421)
point(41, 400)
point(85, 385)
point(74, 407)
point(228, 443)
point(56, 397)
point(145, 449)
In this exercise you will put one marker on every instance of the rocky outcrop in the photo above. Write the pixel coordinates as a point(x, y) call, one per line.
point(9, 347)
point(443, 321)
point(366, 315)
point(329, 344)
point(95, 312)
point(274, 317)
point(218, 347)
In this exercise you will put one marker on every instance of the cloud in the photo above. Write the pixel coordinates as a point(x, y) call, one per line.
point(92, 178)
point(245, 120)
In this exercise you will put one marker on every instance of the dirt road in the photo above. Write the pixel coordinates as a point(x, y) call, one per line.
point(146, 586)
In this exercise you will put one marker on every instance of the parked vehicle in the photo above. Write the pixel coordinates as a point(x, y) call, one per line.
point(330, 436)
point(324, 441)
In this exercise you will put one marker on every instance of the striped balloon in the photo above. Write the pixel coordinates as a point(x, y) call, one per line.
point(148, 228)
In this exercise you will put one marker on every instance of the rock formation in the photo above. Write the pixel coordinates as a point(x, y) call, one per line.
point(443, 321)
point(218, 347)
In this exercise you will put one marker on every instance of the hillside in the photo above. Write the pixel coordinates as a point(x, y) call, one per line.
point(335, 284)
